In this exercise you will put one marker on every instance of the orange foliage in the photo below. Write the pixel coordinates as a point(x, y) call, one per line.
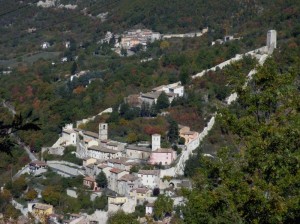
point(29, 91)
point(36, 104)
point(150, 130)
point(22, 69)
point(79, 89)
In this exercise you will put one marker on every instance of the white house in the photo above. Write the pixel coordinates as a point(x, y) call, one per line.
point(149, 178)
point(45, 45)
point(149, 208)
point(102, 153)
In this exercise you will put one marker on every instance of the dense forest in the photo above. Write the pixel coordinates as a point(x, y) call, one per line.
point(255, 179)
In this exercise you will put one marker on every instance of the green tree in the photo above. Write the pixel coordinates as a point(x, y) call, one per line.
point(30, 195)
point(162, 206)
point(51, 195)
point(74, 68)
point(123, 52)
point(100, 202)
point(121, 217)
point(17, 186)
point(162, 101)
point(257, 182)
point(173, 133)
point(101, 180)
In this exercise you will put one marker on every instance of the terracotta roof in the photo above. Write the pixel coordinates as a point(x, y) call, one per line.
point(149, 172)
point(38, 163)
point(88, 178)
point(102, 166)
point(102, 149)
point(128, 177)
point(142, 190)
point(164, 150)
point(188, 133)
point(116, 170)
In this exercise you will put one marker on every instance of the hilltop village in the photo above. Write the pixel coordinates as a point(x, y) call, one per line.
point(126, 176)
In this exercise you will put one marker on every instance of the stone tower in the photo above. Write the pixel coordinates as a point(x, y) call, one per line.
point(103, 131)
point(271, 40)
point(155, 142)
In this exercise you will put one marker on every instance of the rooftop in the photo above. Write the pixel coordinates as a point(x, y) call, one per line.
point(189, 133)
point(149, 172)
point(102, 149)
point(38, 163)
point(88, 178)
point(91, 134)
point(151, 95)
point(121, 160)
point(138, 148)
point(116, 170)
point(150, 205)
point(128, 177)
point(142, 190)
point(164, 150)
point(41, 206)
point(68, 131)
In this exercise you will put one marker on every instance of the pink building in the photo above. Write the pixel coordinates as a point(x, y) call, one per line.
point(162, 156)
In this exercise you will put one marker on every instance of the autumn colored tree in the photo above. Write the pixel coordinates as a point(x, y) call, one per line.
point(30, 195)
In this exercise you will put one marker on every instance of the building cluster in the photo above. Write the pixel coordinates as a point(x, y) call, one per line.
point(132, 38)
point(116, 160)
point(172, 91)
point(225, 39)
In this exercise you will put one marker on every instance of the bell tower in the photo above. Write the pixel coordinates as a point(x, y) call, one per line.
point(103, 131)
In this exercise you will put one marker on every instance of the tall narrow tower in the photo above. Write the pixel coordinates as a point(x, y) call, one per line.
point(155, 142)
point(103, 131)
point(271, 40)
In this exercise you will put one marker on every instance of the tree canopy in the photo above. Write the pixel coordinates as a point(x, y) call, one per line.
point(257, 181)
point(101, 180)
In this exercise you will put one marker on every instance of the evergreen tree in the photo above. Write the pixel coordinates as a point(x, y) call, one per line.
point(162, 101)
point(153, 110)
point(74, 68)
point(173, 133)
point(145, 110)
point(101, 180)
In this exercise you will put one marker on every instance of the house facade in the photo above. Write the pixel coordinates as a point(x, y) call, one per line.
point(126, 183)
point(113, 177)
point(141, 194)
point(149, 178)
point(102, 153)
point(163, 156)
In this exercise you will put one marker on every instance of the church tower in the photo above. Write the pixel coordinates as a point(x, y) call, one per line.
point(155, 142)
point(103, 131)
